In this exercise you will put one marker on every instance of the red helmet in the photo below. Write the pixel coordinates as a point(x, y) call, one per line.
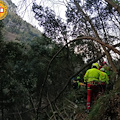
point(104, 63)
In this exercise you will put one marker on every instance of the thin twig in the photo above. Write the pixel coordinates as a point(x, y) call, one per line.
point(51, 107)
point(19, 114)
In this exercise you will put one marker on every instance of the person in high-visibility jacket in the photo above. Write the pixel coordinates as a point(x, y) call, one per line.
point(92, 78)
point(107, 68)
point(103, 81)
point(77, 83)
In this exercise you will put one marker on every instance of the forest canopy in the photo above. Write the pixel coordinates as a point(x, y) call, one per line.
point(36, 74)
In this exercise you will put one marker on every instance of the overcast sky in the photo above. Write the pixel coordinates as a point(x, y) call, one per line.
point(57, 5)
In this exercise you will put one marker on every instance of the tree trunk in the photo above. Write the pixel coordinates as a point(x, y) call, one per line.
point(95, 31)
point(113, 4)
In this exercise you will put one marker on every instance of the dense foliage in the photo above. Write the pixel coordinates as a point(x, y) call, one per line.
point(23, 70)
point(36, 75)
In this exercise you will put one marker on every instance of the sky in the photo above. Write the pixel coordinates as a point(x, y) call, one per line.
point(24, 9)
point(57, 5)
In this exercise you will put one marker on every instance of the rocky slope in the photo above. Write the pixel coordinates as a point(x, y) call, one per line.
point(15, 28)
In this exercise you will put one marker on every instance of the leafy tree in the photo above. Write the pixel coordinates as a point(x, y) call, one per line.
point(35, 74)
point(83, 19)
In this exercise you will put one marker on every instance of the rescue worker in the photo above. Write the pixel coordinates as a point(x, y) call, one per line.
point(103, 80)
point(107, 68)
point(92, 78)
point(78, 78)
point(77, 83)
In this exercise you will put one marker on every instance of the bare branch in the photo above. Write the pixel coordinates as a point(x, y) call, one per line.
point(113, 4)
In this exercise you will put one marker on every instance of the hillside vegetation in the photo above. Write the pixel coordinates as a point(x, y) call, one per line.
point(37, 70)
point(16, 28)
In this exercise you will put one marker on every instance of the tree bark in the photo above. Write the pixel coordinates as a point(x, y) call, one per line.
point(100, 42)
point(113, 4)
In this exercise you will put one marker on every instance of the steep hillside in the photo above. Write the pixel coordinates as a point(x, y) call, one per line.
point(15, 28)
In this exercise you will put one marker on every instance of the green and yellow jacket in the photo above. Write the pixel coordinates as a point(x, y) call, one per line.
point(104, 77)
point(107, 69)
point(92, 74)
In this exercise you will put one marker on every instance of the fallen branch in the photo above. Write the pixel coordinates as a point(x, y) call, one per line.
point(71, 78)
point(79, 38)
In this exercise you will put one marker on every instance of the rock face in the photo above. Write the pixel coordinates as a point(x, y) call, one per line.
point(15, 28)
point(11, 6)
